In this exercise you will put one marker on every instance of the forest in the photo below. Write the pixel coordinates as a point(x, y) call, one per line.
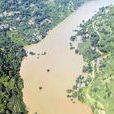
point(30, 20)
point(11, 84)
point(95, 86)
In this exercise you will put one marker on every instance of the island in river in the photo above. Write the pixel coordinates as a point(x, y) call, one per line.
point(63, 66)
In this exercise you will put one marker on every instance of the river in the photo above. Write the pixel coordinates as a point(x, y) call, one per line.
point(47, 77)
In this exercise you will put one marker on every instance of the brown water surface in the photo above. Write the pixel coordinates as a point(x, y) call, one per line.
point(56, 71)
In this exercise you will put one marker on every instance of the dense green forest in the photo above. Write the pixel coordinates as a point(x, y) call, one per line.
point(30, 20)
point(95, 86)
point(11, 84)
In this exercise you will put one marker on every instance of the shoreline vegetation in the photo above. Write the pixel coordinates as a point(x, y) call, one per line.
point(31, 20)
point(23, 23)
point(95, 86)
point(11, 84)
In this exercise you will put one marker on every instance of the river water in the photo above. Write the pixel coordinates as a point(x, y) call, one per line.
point(47, 77)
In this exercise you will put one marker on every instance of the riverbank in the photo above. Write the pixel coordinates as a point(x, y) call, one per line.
point(30, 21)
point(96, 90)
point(11, 83)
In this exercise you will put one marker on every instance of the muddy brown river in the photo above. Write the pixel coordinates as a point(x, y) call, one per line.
point(47, 77)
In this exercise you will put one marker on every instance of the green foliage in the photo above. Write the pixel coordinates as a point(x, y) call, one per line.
point(98, 91)
point(73, 38)
point(30, 20)
point(88, 52)
point(94, 39)
point(87, 68)
point(11, 84)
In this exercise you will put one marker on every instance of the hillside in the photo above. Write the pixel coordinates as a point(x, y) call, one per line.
point(30, 20)
point(95, 86)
